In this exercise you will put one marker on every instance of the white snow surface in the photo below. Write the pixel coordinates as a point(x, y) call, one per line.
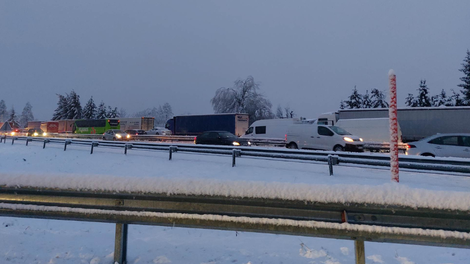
point(52, 241)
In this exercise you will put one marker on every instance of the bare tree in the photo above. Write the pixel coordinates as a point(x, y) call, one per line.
point(242, 98)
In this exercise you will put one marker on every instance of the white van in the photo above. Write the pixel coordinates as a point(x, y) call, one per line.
point(269, 129)
point(310, 135)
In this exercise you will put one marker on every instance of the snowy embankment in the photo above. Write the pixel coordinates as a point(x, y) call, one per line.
point(151, 171)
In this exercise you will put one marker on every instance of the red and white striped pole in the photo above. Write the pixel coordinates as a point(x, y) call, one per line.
point(392, 113)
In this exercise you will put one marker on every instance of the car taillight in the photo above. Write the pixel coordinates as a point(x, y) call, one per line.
point(195, 140)
point(408, 146)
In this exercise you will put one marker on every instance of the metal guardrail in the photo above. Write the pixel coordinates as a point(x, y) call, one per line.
point(352, 221)
point(409, 162)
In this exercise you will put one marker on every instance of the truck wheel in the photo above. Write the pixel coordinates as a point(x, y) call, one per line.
point(338, 148)
point(292, 146)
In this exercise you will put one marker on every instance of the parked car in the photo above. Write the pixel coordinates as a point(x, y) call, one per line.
point(441, 145)
point(159, 131)
point(116, 134)
point(136, 132)
point(221, 138)
point(36, 132)
point(310, 135)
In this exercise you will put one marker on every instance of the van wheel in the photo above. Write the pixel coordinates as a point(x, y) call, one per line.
point(338, 148)
point(292, 146)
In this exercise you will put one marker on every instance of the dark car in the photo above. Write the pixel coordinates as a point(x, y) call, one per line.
point(136, 132)
point(221, 138)
point(36, 132)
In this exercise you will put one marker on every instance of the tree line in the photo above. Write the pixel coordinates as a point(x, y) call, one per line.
point(11, 116)
point(423, 99)
point(69, 107)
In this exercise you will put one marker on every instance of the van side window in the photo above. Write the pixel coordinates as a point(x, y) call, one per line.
point(249, 131)
point(260, 130)
point(323, 131)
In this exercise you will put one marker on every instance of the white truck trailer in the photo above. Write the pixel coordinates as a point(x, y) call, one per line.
point(415, 123)
point(144, 123)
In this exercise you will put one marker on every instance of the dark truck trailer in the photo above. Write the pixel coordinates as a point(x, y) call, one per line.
point(416, 123)
point(194, 125)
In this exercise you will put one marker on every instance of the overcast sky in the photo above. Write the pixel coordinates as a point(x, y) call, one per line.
point(307, 55)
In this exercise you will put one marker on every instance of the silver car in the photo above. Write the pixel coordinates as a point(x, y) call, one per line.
point(159, 131)
point(441, 145)
point(116, 134)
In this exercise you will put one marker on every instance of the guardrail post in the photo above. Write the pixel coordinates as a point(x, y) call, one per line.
point(4, 138)
point(67, 142)
point(126, 147)
point(120, 244)
point(44, 145)
point(235, 153)
point(12, 140)
point(93, 144)
point(332, 160)
point(172, 149)
point(360, 251)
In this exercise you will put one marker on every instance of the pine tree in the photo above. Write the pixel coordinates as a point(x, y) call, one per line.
point(101, 113)
point(423, 97)
point(89, 111)
point(3, 111)
point(355, 99)
point(62, 108)
point(378, 99)
point(13, 119)
point(112, 113)
point(466, 79)
point(410, 101)
point(456, 100)
point(74, 110)
point(366, 101)
point(440, 99)
point(26, 115)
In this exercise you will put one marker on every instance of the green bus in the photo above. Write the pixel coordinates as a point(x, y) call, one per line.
point(95, 126)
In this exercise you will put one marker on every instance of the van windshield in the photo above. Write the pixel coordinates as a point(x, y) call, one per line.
point(339, 130)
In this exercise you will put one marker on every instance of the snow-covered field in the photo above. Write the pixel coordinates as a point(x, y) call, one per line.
point(51, 241)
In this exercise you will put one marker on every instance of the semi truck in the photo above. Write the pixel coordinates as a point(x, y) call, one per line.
point(66, 125)
point(50, 127)
point(144, 123)
point(194, 125)
point(414, 123)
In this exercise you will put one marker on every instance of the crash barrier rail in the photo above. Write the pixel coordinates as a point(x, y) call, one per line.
point(340, 220)
point(332, 158)
point(382, 147)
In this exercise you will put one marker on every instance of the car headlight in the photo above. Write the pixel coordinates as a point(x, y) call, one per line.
point(118, 136)
point(13, 133)
point(235, 143)
point(44, 134)
point(128, 136)
point(249, 143)
point(361, 139)
point(348, 139)
point(35, 134)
